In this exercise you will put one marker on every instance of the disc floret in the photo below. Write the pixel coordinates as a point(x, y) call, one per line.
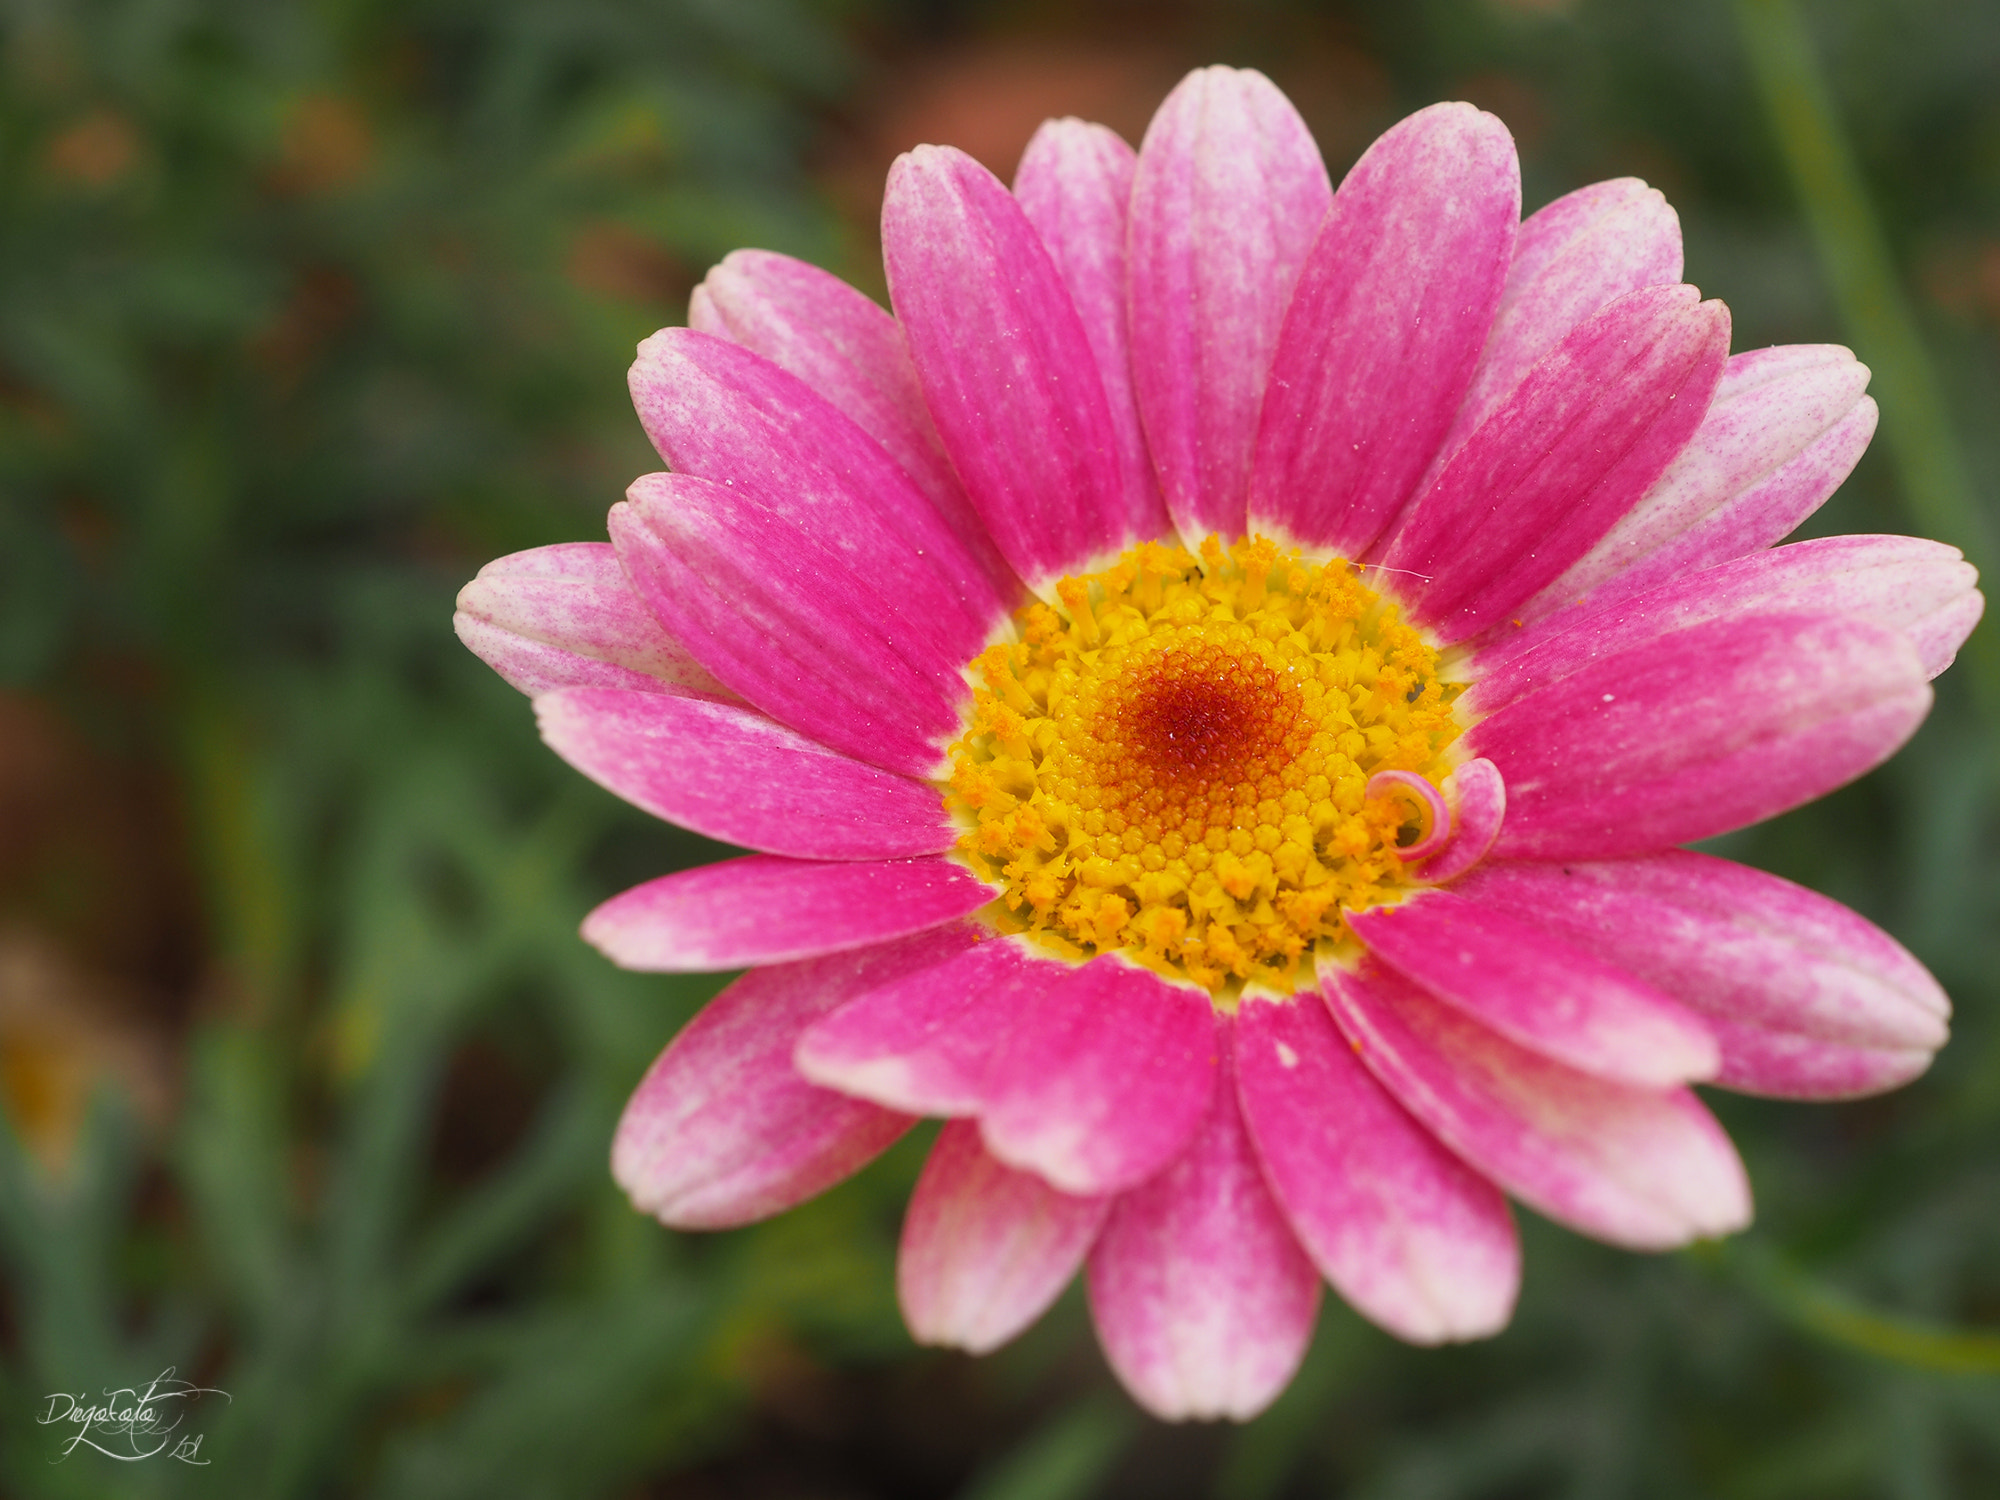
point(1172, 761)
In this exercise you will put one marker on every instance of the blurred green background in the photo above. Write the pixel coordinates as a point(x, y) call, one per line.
point(310, 307)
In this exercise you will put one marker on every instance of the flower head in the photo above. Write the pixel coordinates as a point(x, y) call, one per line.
point(1216, 682)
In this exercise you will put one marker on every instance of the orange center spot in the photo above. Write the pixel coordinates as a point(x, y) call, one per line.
point(1197, 712)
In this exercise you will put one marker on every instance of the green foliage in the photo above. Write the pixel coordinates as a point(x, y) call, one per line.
point(308, 309)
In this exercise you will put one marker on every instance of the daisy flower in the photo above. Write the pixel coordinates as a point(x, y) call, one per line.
point(1215, 684)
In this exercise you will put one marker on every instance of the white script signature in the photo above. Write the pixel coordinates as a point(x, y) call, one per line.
point(132, 1422)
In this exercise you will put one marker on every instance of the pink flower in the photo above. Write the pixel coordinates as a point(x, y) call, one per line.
point(1216, 683)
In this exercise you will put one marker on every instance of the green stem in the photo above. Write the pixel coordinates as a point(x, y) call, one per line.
point(1930, 466)
point(1818, 1309)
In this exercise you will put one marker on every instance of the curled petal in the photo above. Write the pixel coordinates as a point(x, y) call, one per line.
point(1434, 815)
point(1478, 795)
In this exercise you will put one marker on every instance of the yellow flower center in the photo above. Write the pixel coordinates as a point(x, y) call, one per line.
point(1174, 763)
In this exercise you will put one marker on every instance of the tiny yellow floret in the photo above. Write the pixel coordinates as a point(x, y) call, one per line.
point(1173, 763)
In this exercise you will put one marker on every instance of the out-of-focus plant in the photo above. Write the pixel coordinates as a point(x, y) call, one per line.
point(300, 305)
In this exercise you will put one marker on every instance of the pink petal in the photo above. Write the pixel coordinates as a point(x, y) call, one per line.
point(1385, 328)
point(1202, 1297)
point(564, 616)
point(1103, 1080)
point(1477, 795)
point(1229, 193)
point(1785, 1065)
point(986, 1249)
point(736, 776)
point(1698, 732)
point(1006, 365)
point(1922, 589)
point(1647, 1169)
point(816, 637)
point(1785, 428)
point(723, 1130)
point(1538, 992)
point(761, 910)
point(719, 412)
point(1806, 998)
point(850, 351)
point(1573, 256)
point(1579, 441)
point(1074, 184)
point(1405, 1231)
point(928, 1044)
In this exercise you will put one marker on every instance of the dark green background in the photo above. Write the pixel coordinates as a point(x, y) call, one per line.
point(308, 309)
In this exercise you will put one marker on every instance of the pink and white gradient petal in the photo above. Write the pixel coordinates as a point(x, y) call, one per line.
point(1648, 1169)
point(1806, 998)
point(985, 1248)
point(928, 1043)
point(1411, 1236)
point(1103, 1078)
point(1203, 1298)
point(1538, 992)
point(737, 776)
point(717, 411)
point(834, 338)
point(792, 624)
point(1785, 428)
point(1006, 366)
point(1229, 194)
point(1925, 590)
point(1075, 185)
point(724, 1131)
point(1698, 732)
point(1584, 435)
point(1385, 326)
point(765, 910)
point(1572, 257)
point(566, 616)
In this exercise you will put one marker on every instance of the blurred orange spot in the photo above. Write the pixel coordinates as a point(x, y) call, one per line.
point(326, 146)
point(96, 151)
point(324, 301)
point(61, 1040)
point(614, 260)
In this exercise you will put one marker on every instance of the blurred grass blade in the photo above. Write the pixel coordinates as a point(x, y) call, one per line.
point(1064, 1459)
point(567, 1148)
point(1930, 464)
point(233, 1154)
point(1816, 1308)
